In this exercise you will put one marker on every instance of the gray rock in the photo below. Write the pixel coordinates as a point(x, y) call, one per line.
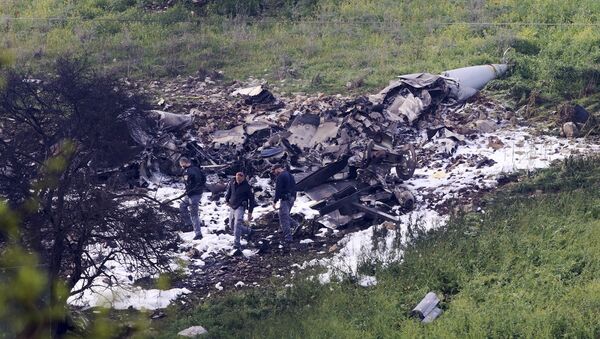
point(485, 126)
point(570, 130)
point(193, 331)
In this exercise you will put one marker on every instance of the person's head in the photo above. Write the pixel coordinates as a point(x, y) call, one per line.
point(277, 169)
point(240, 177)
point(185, 162)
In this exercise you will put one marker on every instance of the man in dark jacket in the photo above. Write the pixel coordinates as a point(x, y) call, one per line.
point(239, 197)
point(194, 186)
point(285, 192)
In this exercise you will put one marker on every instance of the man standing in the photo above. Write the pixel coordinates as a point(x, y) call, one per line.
point(194, 185)
point(239, 197)
point(285, 192)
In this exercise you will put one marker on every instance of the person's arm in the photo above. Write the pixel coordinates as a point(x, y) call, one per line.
point(187, 180)
point(201, 178)
point(279, 183)
point(228, 194)
point(292, 186)
point(251, 200)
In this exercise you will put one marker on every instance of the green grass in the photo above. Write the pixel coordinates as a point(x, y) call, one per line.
point(527, 267)
point(555, 44)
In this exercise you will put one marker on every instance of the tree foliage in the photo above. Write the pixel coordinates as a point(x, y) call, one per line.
point(57, 131)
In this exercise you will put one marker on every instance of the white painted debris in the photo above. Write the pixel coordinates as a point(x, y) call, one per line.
point(250, 91)
point(427, 309)
point(570, 130)
point(218, 286)
point(249, 253)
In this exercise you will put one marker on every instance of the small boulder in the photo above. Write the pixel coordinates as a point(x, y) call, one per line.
point(570, 130)
point(194, 253)
point(389, 225)
point(495, 142)
point(485, 126)
point(193, 331)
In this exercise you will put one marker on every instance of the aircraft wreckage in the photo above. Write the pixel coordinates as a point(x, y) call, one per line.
point(351, 157)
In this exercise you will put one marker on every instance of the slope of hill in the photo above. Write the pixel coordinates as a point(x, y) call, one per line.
point(327, 45)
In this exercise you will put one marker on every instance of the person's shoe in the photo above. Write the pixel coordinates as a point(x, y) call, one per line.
point(263, 246)
point(286, 245)
point(198, 237)
point(237, 250)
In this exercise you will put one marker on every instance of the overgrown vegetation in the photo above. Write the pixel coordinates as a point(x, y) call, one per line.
point(322, 45)
point(58, 129)
point(527, 267)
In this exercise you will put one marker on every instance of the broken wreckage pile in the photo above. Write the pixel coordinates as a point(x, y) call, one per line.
point(351, 156)
point(348, 155)
point(356, 160)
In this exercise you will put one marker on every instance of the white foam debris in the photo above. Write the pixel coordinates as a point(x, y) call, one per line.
point(302, 206)
point(121, 298)
point(367, 281)
point(239, 284)
point(306, 241)
point(218, 286)
point(119, 291)
point(358, 248)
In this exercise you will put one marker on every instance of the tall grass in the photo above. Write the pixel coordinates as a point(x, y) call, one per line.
point(556, 44)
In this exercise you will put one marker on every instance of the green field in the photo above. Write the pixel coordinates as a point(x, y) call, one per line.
point(310, 45)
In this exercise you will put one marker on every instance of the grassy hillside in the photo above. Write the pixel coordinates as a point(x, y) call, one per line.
point(527, 267)
point(312, 45)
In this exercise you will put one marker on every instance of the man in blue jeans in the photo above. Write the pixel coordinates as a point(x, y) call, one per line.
point(285, 192)
point(194, 186)
point(239, 197)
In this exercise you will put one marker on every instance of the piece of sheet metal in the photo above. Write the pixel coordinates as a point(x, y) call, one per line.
point(322, 175)
point(235, 136)
point(303, 129)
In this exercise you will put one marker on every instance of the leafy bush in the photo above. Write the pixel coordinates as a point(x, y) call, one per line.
point(59, 130)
